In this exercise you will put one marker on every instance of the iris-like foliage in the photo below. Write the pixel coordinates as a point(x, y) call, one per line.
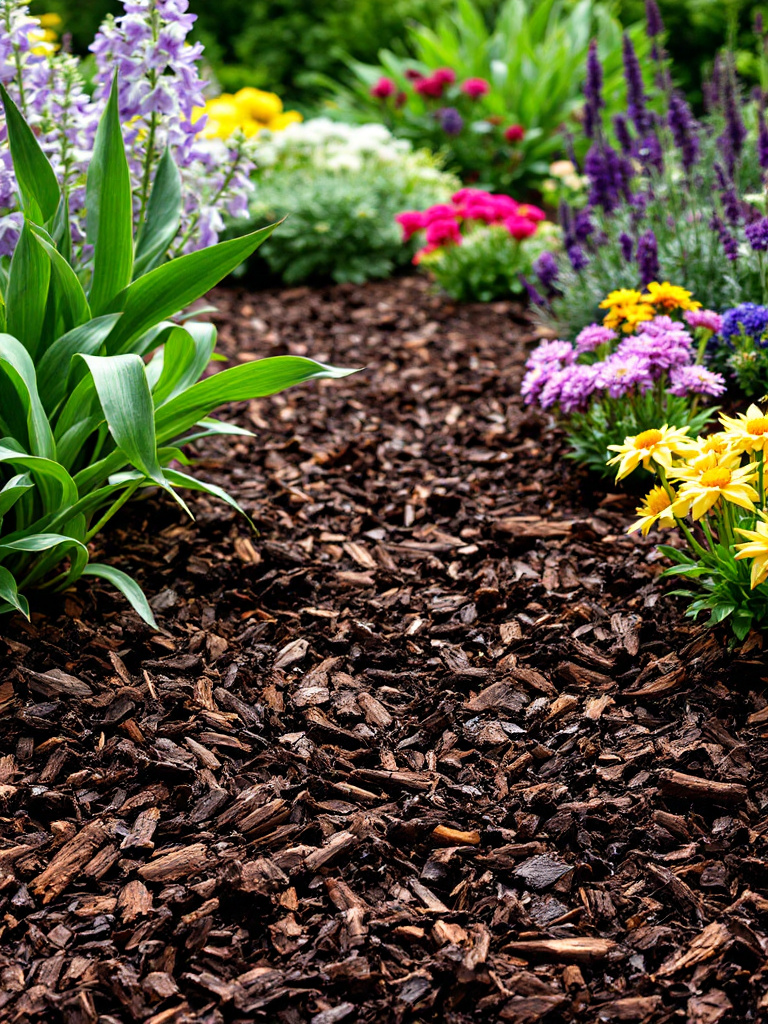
point(99, 389)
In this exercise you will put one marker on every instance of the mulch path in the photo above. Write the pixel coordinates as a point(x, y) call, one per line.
point(432, 746)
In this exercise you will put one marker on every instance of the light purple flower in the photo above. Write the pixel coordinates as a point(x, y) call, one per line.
point(593, 336)
point(695, 380)
point(569, 387)
point(704, 318)
point(624, 371)
point(551, 352)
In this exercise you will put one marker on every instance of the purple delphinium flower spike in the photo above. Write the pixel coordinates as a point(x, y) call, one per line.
point(593, 92)
point(654, 25)
point(757, 234)
point(684, 130)
point(731, 142)
point(648, 257)
point(578, 258)
point(621, 129)
point(762, 138)
point(533, 294)
point(627, 246)
point(546, 269)
point(727, 240)
point(636, 99)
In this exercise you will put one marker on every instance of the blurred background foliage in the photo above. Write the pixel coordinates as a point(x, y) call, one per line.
point(284, 46)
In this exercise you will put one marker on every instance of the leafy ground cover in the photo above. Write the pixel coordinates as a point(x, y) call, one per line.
point(431, 747)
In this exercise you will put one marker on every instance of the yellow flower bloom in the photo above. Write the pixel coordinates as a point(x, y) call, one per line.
point(628, 316)
point(50, 20)
point(279, 123)
point(711, 477)
point(669, 296)
point(718, 442)
point(621, 297)
point(656, 509)
point(257, 104)
point(756, 546)
point(747, 432)
point(657, 445)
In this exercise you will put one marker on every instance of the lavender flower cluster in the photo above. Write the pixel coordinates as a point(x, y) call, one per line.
point(160, 99)
point(668, 195)
point(660, 353)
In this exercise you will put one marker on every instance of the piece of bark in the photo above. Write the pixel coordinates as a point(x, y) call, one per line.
point(188, 861)
point(69, 861)
point(140, 836)
point(134, 900)
point(581, 950)
point(674, 783)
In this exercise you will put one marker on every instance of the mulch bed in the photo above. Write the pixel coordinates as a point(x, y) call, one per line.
point(432, 746)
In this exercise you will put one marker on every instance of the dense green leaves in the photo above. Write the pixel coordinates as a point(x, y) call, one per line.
point(109, 203)
point(99, 389)
point(36, 179)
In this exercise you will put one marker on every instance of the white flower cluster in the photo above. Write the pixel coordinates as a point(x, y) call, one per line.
point(325, 145)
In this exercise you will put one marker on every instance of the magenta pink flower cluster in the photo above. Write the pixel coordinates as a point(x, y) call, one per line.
point(442, 223)
point(437, 86)
point(660, 353)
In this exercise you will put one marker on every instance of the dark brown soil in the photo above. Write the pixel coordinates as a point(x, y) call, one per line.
point(433, 746)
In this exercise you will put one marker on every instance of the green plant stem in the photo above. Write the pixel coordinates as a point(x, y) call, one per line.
point(113, 508)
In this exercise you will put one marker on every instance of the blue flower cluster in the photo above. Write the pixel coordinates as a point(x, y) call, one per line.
point(747, 318)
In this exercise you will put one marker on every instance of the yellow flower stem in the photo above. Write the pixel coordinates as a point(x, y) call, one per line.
point(708, 532)
point(761, 482)
point(695, 546)
point(706, 334)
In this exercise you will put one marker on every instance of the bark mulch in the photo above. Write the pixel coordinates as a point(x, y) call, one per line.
point(432, 746)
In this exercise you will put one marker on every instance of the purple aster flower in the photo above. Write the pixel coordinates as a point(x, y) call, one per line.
point(560, 352)
point(648, 257)
point(620, 373)
point(757, 234)
point(627, 246)
point(535, 380)
point(451, 120)
point(577, 384)
point(546, 269)
point(684, 130)
point(593, 336)
point(695, 380)
point(706, 318)
point(593, 92)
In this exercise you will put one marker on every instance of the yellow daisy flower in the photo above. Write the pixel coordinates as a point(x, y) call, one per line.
point(747, 432)
point(658, 445)
point(718, 442)
point(755, 547)
point(656, 509)
point(628, 316)
point(711, 477)
point(669, 296)
point(621, 297)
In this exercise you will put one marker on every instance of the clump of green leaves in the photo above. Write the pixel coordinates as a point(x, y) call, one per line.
point(489, 264)
point(99, 389)
point(340, 197)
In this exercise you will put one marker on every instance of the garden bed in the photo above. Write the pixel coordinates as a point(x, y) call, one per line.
point(429, 747)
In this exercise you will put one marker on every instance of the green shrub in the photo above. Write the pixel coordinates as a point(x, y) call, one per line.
point(531, 57)
point(340, 188)
point(99, 390)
